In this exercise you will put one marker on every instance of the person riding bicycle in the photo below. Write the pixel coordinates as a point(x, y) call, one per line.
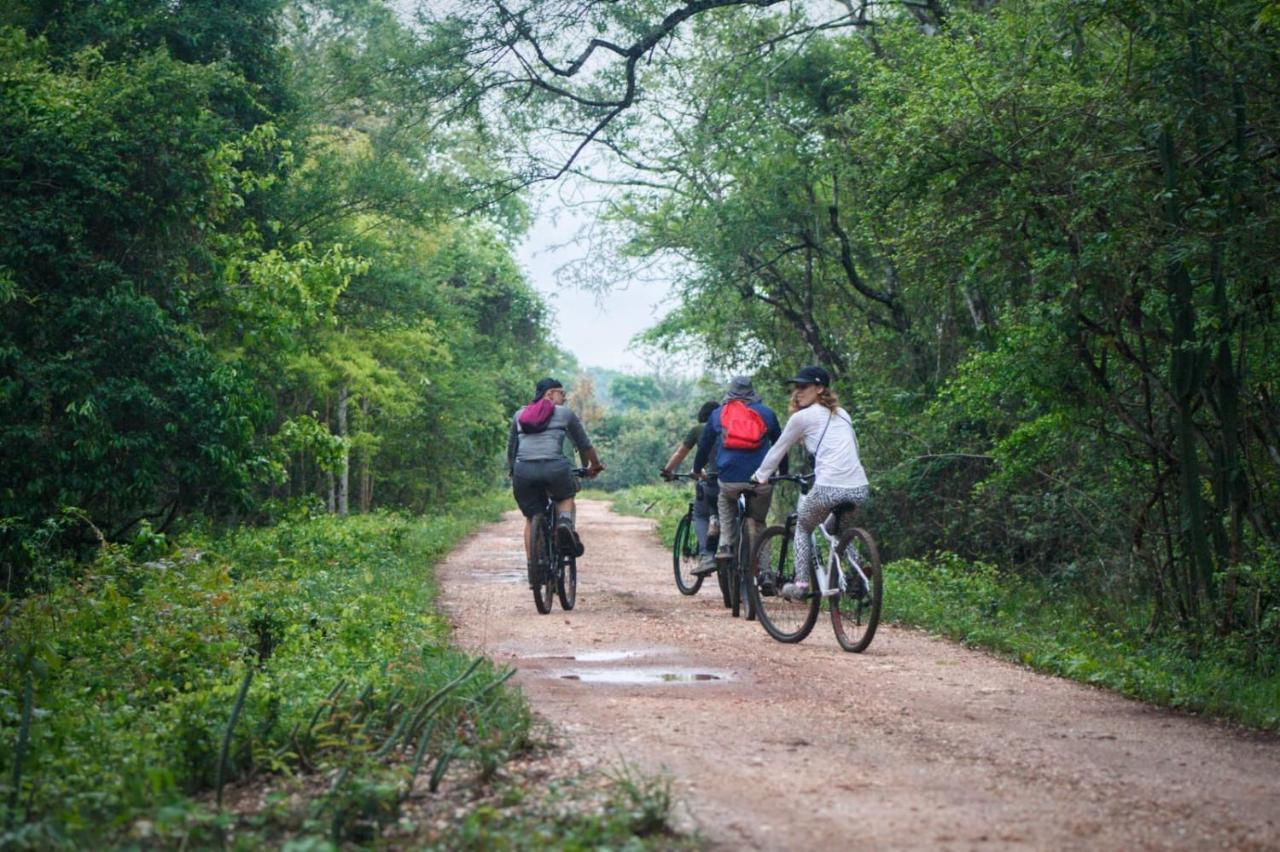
point(828, 435)
point(704, 504)
point(537, 464)
point(741, 430)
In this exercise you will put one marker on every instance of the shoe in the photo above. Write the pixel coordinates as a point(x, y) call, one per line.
point(567, 539)
point(724, 554)
point(706, 566)
point(767, 584)
point(795, 591)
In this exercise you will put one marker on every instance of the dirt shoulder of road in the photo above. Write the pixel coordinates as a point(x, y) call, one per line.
point(917, 743)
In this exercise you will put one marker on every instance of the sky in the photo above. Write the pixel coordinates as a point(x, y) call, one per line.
point(596, 328)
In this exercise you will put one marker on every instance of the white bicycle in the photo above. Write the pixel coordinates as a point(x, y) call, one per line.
point(850, 580)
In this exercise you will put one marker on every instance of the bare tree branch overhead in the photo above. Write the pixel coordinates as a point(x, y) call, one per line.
point(568, 70)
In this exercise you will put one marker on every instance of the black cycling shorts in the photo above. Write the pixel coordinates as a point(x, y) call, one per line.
point(533, 482)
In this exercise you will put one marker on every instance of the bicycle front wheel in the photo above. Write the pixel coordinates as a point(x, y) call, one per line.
point(567, 582)
point(684, 557)
point(772, 567)
point(855, 612)
point(541, 575)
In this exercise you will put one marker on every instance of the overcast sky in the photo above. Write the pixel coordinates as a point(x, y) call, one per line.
point(595, 328)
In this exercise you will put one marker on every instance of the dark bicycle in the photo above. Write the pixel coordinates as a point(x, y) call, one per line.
point(551, 570)
point(685, 556)
point(848, 577)
point(735, 575)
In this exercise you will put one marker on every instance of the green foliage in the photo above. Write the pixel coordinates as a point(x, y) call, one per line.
point(1091, 638)
point(631, 811)
point(136, 667)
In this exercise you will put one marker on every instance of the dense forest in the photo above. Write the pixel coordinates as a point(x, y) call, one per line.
point(257, 263)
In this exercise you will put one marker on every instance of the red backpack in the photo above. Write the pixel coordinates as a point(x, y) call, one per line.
point(743, 428)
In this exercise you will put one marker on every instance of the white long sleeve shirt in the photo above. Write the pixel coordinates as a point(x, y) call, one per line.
point(837, 463)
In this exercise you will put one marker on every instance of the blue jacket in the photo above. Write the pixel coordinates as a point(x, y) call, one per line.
point(736, 465)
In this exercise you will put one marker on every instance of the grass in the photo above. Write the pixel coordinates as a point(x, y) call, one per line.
point(1056, 630)
point(305, 657)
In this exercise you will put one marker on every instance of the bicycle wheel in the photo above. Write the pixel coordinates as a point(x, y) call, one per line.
point(855, 612)
point(739, 597)
point(567, 582)
point(684, 557)
point(541, 577)
point(772, 566)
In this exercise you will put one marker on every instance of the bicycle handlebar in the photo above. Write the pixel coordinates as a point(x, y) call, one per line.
point(802, 478)
point(676, 477)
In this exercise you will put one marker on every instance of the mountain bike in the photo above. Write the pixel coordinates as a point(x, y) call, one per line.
point(685, 556)
point(849, 579)
point(551, 570)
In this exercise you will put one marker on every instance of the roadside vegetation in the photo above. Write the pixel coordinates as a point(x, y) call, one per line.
point(304, 659)
point(1062, 629)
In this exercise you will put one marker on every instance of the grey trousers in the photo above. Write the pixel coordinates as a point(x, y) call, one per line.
point(757, 510)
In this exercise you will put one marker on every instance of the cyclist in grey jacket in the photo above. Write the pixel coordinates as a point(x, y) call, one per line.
point(537, 465)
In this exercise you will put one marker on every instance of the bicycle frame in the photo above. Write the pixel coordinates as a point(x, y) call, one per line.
point(832, 568)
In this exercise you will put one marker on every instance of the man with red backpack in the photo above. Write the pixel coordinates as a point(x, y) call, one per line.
point(745, 428)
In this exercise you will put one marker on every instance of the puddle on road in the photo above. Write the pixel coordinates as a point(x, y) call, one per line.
point(520, 576)
point(592, 656)
point(641, 676)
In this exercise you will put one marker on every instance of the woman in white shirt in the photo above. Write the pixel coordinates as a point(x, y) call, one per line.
point(827, 432)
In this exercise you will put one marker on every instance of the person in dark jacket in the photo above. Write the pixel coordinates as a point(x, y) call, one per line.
point(736, 464)
point(705, 506)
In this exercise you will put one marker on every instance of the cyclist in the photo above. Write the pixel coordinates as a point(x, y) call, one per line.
point(741, 430)
point(538, 467)
point(704, 504)
point(827, 432)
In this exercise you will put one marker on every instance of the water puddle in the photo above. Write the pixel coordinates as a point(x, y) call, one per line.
point(520, 576)
point(592, 656)
point(641, 676)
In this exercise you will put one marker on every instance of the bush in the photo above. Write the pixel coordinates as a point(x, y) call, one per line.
point(135, 668)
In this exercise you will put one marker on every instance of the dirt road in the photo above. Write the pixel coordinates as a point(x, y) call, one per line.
point(915, 744)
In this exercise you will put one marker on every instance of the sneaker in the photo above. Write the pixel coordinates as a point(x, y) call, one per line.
point(796, 591)
point(724, 554)
point(567, 538)
point(706, 566)
point(767, 583)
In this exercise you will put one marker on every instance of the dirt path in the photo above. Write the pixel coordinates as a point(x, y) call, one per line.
point(917, 743)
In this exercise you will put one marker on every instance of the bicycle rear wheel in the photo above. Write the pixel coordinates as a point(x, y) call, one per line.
point(567, 582)
point(772, 566)
point(855, 612)
point(739, 575)
point(684, 557)
point(541, 575)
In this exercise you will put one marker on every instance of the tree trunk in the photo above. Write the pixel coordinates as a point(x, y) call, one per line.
point(344, 471)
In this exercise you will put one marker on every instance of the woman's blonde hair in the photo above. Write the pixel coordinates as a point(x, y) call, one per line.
point(826, 398)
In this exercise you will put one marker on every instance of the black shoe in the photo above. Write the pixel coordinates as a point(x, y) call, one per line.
point(568, 540)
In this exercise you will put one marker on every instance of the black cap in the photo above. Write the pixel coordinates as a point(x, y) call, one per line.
point(545, 385)
point(812, 375)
